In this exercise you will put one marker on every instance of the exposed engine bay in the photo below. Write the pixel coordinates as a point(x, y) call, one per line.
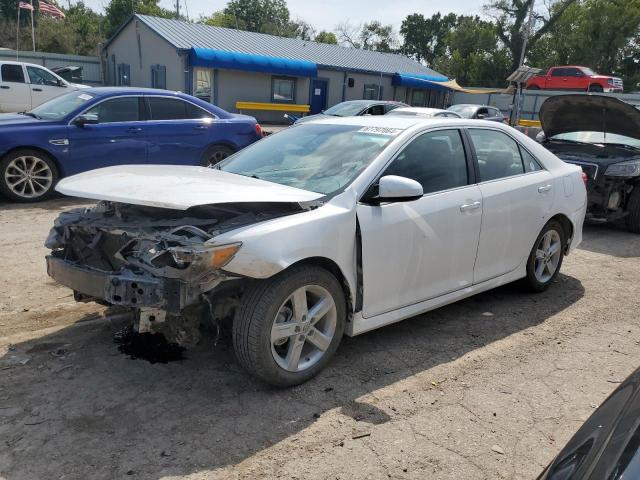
point(162, 263)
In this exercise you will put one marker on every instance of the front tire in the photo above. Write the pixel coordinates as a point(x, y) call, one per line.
point(288, 327)
point(596, 88)
point(545, 259)
point(633, 211)
point(27, 175)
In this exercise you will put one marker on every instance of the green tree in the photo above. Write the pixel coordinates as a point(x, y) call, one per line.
point(424, 38)
point(511, 20)
point(118, 11)
point(371, 35)
point(264, 16)
point(326, 37)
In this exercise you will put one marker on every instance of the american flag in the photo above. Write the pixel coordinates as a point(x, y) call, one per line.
point(50, 9)
point(25, 5)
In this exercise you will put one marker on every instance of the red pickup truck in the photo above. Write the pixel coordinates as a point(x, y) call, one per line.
point(575, 78)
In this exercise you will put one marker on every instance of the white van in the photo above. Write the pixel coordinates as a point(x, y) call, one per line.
point(24, 86)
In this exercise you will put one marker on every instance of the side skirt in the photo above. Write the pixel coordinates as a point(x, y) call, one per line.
point(359, 324)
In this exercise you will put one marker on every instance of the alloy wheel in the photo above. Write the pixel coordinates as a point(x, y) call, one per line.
point(28, 176)
point(548, 253)
point(303, 328)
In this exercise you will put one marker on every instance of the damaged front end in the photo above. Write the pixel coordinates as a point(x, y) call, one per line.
point(157, 261)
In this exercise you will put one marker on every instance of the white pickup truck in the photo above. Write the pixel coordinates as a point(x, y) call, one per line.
point(24, 86)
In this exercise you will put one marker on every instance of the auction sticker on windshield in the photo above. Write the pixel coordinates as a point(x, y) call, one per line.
point(381, 131)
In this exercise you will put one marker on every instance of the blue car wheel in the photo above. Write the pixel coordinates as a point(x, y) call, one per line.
point(27, 175)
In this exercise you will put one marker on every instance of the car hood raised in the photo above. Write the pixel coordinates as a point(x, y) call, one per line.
point(589, 113)
point(177, 187)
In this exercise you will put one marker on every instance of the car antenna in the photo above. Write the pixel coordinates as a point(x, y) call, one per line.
point(604, 124)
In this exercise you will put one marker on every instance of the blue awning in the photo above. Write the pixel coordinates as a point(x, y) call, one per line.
point(414, 80)
point(205, 57)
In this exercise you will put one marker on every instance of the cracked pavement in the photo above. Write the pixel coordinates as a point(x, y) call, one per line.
point(446, 395)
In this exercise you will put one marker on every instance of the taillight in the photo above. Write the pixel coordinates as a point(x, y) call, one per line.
point(585, 179)
point(258, 130)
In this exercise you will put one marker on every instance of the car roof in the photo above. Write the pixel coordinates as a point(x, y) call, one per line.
point(418, 110)
point(384, 121)
point(13, 62)
point(372, 102)
point(129, 90)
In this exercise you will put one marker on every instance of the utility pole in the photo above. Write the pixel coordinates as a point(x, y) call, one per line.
point(527, 33)
point(177, 8)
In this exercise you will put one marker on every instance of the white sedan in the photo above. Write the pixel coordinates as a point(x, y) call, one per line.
point(333, 227)
point(424, 112)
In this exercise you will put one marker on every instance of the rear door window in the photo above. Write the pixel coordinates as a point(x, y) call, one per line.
point(12, 73)
point(498, 154)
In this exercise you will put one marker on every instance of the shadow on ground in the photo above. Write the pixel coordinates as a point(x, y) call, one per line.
point(55, 202)
point(78, 407)
point(610, 239)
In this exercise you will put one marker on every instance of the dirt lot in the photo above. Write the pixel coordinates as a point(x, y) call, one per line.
point(454, 394)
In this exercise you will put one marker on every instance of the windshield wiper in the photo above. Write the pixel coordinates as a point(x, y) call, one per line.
point(30, 114)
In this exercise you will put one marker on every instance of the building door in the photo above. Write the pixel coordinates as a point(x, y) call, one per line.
point(318, 96)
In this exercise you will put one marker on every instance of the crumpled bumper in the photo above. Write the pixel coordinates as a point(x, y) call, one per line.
point(126, 288)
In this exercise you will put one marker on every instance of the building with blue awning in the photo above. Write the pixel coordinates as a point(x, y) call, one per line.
point(225, 66)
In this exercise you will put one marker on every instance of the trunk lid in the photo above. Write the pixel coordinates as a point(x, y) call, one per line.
point(177, 187)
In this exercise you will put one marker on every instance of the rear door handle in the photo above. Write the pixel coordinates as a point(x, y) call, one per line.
point(36, 89)
point(544, 189)
point(134, 129)
point(467, 207)
point(6, 87)
point(200, 127)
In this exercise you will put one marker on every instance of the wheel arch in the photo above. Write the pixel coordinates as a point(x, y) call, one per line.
point(567, 226)
point(333, 268)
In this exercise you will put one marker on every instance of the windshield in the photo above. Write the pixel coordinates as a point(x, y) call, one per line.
point(598, 137)
point(60, 107)
point(315, 157)
point(346, 109)
point(465, 111)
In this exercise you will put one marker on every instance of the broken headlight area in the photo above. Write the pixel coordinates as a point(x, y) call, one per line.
point(142, 256)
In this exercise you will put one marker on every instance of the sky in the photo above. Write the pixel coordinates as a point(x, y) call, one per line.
point(326, 14)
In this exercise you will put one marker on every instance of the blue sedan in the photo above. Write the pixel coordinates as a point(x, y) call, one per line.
point(100, 127)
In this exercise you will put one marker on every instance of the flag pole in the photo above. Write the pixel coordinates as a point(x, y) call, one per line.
point(33, 33)
point(18, 33)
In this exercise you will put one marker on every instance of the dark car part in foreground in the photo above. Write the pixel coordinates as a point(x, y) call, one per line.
point(602, 135)
point(607, 446)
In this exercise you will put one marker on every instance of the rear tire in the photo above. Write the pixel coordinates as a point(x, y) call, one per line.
point(545, 259)
point(277, 338)
point(596, 88)
point(215, 154)
point(533, 87)
point(27, 175)
point(633, 211)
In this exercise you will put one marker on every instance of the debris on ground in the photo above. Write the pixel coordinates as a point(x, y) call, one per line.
point(497, 449)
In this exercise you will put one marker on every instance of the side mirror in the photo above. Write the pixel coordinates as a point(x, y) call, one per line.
point(62, 83)
point(541, 137)
point(481, 116)
point(392, 188)
point(86, 119)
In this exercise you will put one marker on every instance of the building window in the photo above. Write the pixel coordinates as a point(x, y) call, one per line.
point(158, 76)
point(124, 75)
point(417, 98)
point(372, 92)
point(283, 90)
point(203, 84)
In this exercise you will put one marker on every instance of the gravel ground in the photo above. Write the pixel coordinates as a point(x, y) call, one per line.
point(489, 388)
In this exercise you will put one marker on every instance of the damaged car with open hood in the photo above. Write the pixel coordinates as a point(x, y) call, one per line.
point(332, 227)
point(602, 135)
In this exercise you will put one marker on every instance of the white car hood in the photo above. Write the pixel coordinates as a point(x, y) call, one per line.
point(176, 187)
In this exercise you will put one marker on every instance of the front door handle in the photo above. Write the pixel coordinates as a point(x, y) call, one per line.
point(544, 189)
point(6, 87)
point(467, 207)
point(134, 129)
point(36, 89)
point(200, 127)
